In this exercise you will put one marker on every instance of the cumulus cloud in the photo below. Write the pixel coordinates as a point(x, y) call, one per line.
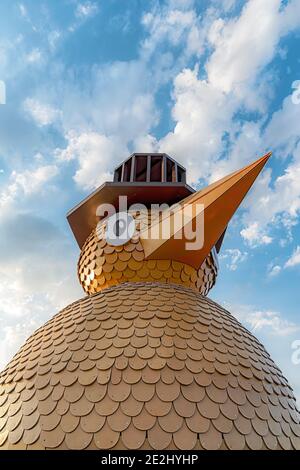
point(145, 143)
point(273, 205)
point(43, 114)
point(255, 236)
point(202, 115)
point(207, 137)
point(95, 154)
point(272, 202)
point(33, 181)
point(173, 23)
point(204, 110)
point(231, 65)
point(210, 138)
point(282, 132)
point(106, 121)
point(25, 183)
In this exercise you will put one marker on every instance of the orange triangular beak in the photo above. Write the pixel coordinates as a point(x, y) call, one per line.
point(208, 210)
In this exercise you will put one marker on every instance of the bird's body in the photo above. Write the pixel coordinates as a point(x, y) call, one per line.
point(145, 361)
point(146, 366)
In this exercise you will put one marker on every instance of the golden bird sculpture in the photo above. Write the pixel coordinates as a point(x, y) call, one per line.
point(146, 360)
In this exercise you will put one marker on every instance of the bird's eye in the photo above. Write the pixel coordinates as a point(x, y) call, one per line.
point(120, 228)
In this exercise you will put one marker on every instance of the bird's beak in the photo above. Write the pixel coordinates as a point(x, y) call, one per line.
point(203, 215)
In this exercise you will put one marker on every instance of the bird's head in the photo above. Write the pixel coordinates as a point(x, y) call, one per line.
point(170, 245)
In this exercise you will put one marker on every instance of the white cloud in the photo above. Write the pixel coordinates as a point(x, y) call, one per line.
point(175, 24)
point(273, 322)
point(294, 260)
point(233, 258)
point(232, 64)
point(33, 181)
point(95, 154)
point(25, 183)
point(273, 206)
point(291, 15)
point(283, 129)
point(86, 9)
point(276, 333)
point(274, 270)
point(145, 143)
point(43, 114)
point(118, 99)
point(255, 236)
point(107, 120)
point(205, 108)
point(267, 321)
point(202, 115)
point(170, 24)
point(212, 141)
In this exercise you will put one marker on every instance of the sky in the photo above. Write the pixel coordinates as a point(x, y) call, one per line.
point(215, 84)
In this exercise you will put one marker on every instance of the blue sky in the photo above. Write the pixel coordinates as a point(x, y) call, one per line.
point(212, 83)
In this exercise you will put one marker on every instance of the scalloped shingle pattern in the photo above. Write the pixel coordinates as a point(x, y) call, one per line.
point(101, 265)
point(145, 366)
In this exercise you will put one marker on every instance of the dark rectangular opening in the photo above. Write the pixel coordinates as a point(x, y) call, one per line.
point(141, 168)
point(127, 170)
point(118, 175)
point(181, 175)
point(170, 171)
point(156, 168)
